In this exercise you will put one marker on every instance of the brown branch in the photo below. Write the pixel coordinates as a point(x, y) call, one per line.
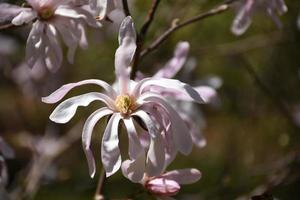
point(5, 26)
point(98, 193)
point(175, 26)
point(142, 35)
point(126, 8)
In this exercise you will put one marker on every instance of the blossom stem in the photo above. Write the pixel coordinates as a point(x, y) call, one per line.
point(176, 26)
point(5, 26)
point(126, 8)
point(142, 35)
point(98, 193)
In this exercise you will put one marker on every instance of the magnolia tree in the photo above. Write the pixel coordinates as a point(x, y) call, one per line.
point(157, 111)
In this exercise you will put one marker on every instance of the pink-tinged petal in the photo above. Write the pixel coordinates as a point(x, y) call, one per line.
point(53, 51)
point(152, 130)
point(207, 94)
point(134, 169)
point(183, 176)
point(6, 150)
point(176, 63)
point(100, 6)
point(83, 39)
point(87, 136)
point(3, 173)
point(65, 111)
point(162, 186)
point(66, 11)
point(87, 16)
point(125, 53)
point(70, 35)
point(171, 85)
point(24, 17)
point(34, 3)
point(9, 11)
point(110, 152)
point(145, 138)
point(243, 20)
point(281, 6)
point(62, 91)
point(135, 147)
point(274, 17)
point(35, 45)
point(103, 7)
point(171, 150)
point(155, 162)
point(181, 136)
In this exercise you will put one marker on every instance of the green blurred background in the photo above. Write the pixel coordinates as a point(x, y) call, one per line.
point(252, 143)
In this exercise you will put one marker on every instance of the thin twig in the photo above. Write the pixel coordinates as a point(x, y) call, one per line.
point(219, 9)
point(5, 26)
point(276, 100)
point(98, 193)
point(126, 8)
point(142, 35)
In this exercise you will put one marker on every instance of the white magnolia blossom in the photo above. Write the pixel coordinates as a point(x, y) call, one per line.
point(131, 100)
point(50, 18)
point(247, 8)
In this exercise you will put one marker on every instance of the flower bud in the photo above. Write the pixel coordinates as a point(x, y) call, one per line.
point(162, 186)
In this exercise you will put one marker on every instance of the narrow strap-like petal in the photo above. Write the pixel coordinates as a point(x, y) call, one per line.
point(110, 152)
point(243, 20)
point(87, 136)
point(176, 63)
point(134, 169)
point(3, 173)
point(65, 111)
point(207, 94)
point(183, 176)
point(181, 135)
point(170, 84)
point(63, 90)
point(9, 11)
point(152, 130)
point(155, 163)
point(135, 147)
point(5, 149)
point(53, 50)
point(24, 17)
point(125, 53)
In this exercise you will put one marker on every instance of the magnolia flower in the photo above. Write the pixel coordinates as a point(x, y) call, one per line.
point(247, 8)
point(49, 18)
point(129, 101)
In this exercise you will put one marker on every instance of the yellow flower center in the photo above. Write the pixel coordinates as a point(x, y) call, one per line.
point(46, 13)
point(125, 104)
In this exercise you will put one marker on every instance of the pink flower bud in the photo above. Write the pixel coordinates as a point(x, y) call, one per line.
point(162, 186)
